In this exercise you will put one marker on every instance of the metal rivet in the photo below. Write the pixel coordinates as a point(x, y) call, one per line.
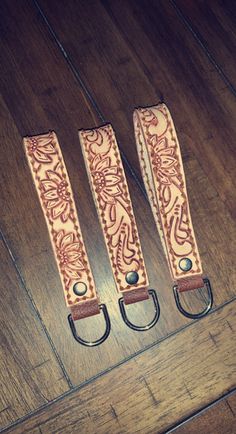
point(185, 264)
point(132, 277)
point(80, 288)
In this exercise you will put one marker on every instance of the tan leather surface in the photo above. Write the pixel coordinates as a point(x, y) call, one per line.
point(111, 195)
point(163, 174)
point(56, 198)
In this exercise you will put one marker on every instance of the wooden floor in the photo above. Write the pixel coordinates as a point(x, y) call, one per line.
point(71, 64)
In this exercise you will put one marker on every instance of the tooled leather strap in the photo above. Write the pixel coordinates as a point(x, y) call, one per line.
point(55, 194)
point(110, 191)
point(163, 175)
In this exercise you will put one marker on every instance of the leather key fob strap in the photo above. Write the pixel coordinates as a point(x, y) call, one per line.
point(163, 174)
point(115, 211)
point(56, 198)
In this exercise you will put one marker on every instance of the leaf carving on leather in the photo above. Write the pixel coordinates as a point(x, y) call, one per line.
point(174, 217)
point(69, 254)
point(41, 148)
point(108, 187)
point(157, 125)
point(96, 142)
point(106, 179)
point(119, 230)
point(111, 195)
point(175, 212)
point(55, 194)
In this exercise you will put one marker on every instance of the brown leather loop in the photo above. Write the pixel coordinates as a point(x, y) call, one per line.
point(84, 310)
point(135, 295)
point(190, 283)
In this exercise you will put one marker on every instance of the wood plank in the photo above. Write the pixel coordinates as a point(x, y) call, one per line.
point(156, 388)
point(172, 67)
point(102, 49)
point(40, 93)
point(214, 24)
point(218, 419)
point(138, 53)
point(30, 375)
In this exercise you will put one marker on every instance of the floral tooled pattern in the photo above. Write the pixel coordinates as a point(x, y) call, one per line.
point(41, 149)
point(114, 206)
point(69, 255)
point(106, 179)
point(53, 187)
point(172, 211)
point(164, 161)
point(55, 194)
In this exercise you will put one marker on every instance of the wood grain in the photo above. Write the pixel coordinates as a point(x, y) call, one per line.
point(69, 65)
point(155, 389)
point(103, 45)
point(213, 24)
point(218, 419)
point(136, 53)
point(30, 375)
point(54, 101)
point(44, 95)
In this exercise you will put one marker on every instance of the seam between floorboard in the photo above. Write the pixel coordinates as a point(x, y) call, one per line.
point(94, 104)
point(87, 93)
point(102, 118)
point(197, 36)
point(51, 343)
point(199, 412)
point(134, 175)
point(117, 365)
point(148, 75)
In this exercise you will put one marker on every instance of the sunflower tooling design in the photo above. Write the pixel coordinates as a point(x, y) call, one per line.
point(114, 206)
point(56, 197)
point(163, 174)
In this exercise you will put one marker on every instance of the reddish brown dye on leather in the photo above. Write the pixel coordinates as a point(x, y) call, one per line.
point(135, 295)
point(190, 283)
point(84, 310)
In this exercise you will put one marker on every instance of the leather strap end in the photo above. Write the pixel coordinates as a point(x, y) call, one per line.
point(190, 283)
point(135, 295)
point(84, 310)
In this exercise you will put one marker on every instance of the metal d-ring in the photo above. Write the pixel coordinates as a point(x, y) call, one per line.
point(195, 315)
point(148, 326)
point(98, 341)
